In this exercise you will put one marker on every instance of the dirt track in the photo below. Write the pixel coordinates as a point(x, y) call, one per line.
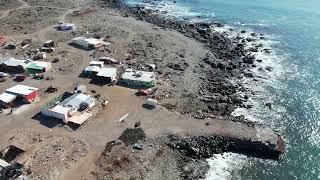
point(35, 19)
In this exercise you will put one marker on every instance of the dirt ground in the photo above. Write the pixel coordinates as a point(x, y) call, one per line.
point(60, 152)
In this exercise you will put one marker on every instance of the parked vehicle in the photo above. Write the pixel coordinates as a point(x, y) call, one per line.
point(20, 77)
point(150, 104)
point(146, 92)
point(2, 74)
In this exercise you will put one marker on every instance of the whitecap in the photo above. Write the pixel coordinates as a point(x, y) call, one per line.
point(224, 166)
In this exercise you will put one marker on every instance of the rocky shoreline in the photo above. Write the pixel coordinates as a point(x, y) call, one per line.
point(199, 84)
point(228, 62)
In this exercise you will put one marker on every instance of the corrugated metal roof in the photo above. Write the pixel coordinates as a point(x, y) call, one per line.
point(21, 89)
point(7, 97)
point(75, 100)
point(61, 109)
point(14, 62)
point(138, 75)
point(39, 65)
point(108, 72)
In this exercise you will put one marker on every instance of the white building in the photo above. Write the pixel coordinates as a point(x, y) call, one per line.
point(13, 65)
point(88, 43)
point(138, 78)
point(107, 74)
point(25, 94)
point(64, 110)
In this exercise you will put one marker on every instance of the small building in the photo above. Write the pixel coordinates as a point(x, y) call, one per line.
point(138, 78)
point(66, 26)
point(88, 43)
point(96, 63)
point(109, 60)
point(48, 44)
point(18, 94)
point(14, 65)
point(106, 75)
point(65, 109)
point(38, 67)
point(91, 71)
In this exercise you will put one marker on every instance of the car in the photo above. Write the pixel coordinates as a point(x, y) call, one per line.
point(2, 74)
point(150, 104)
point(146, 92)
point(20, 77)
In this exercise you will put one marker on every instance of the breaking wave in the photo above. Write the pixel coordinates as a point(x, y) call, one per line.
point(262, 89)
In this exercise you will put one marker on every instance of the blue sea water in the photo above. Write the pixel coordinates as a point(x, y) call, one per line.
point(292, 28)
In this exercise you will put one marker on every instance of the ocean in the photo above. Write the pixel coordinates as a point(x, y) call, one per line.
point(292, 30)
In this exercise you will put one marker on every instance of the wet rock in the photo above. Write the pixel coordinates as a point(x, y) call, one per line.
point(205, 146)
point(137, 146)
point(253, 34)
point(268, 51)
point(269, 105)
point(248, 59)
point(137, 124)
point(179, 66)
point(253, 49)
point(269, 68)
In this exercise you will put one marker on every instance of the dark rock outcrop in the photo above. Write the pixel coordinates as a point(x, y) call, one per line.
point(271, 146)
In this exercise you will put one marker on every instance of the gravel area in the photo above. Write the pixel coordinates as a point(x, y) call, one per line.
point(9, 4)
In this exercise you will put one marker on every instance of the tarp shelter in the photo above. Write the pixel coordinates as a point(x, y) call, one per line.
point(138, 78)
point(20, 93)
point(38, 67)
point(106, 75)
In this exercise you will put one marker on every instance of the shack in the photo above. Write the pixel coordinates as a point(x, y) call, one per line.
point(13, 65)
point(19, 94)
point(106, 75)
point(38, 67)
point(69, 109)
point(138, 78)
point(66, 26)
point(88, 43)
